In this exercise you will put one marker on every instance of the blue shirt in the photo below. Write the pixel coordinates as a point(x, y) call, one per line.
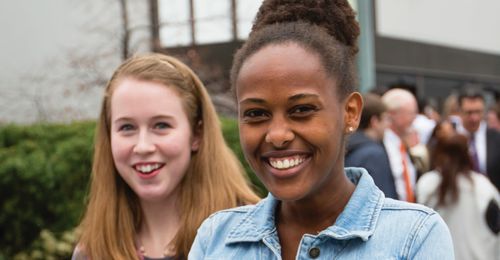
point(370, 227)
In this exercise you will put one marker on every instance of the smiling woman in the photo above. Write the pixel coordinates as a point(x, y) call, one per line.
point(294, 125)
point(149, 137)
point(161, 165)
point(295, 86)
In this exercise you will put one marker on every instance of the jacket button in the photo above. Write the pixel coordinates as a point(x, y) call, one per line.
point(314, 252)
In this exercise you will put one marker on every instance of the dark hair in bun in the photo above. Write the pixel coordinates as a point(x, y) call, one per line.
point(328, 28)
point(336, 16)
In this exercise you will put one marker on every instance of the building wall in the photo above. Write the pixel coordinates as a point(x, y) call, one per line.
point(438, 45)
point(437, 71)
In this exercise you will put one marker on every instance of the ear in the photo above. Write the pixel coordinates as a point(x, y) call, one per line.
point(374, 121)
point(197, 135)
point(353, 108)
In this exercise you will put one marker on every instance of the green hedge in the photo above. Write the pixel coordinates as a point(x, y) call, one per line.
point(44, 174)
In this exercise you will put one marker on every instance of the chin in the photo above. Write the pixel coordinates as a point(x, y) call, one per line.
point(149, 195)
point(286, 195)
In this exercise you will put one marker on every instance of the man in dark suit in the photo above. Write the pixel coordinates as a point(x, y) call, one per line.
point(365, 148)
point(493, 156)
point(484, 143)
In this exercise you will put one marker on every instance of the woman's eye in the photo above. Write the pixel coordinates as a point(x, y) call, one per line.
point(302, 111)
point(254, 115)
point(126, 127)
point(162, 125)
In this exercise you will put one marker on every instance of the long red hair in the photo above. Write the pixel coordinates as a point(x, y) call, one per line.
point(451, 158)
point(214, 181)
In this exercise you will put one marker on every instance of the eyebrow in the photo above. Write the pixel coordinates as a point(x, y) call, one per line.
point(253, 100)
point(302, 96)
point(125, 118)
point(292, 98)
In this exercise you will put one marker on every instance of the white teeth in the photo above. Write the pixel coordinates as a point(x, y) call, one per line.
point(148, 168)
point(280, 164)
point(285, 163)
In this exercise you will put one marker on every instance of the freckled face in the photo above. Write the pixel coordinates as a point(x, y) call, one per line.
point(291, 122)
point(151, 138)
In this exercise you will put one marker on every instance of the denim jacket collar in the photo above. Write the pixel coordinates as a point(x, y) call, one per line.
point(358, 218)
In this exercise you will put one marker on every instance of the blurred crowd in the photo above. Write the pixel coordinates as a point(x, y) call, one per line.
point(446, 158)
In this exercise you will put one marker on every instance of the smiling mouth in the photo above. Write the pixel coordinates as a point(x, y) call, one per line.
point(286, 162)
point(148, 167)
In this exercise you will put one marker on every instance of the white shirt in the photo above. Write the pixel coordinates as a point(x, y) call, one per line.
point(480, 141)
point(472, 239)
point(392, 144)
point(424, 127)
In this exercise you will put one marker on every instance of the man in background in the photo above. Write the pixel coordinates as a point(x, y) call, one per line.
point(484, 142)
point(402, 110)
point(365, 148)
point(493, 116)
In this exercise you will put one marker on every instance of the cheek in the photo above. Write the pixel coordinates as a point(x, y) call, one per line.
point(323, 130)
point(120, 148)
point(411, 119)
point(327, 136)
point(328, 142)
point(399, 121)
point(249, 140)
point(174, 148)
point(175, 145)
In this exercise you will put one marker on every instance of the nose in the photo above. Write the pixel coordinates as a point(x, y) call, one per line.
point(279, 133)
point(144, 144)
point(476, 117)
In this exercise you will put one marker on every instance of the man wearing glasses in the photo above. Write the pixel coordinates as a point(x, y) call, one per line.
point(484, 143)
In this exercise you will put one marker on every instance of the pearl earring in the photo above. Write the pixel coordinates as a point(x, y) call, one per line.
point(350, 129)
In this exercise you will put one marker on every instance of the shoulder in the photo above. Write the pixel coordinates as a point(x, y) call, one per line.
point(78, 253)
point(218, 230)
point(420, 228)
point(484, 187)
point(428, 179)
point(427, 186)
point(428, 182)
point(412, 210)
point(412, 216)
point(357, 142)
point(368, 150)
point(481, 180)
point(374, 147)
point(231, 214)
point(221, 223)
point(493, 135)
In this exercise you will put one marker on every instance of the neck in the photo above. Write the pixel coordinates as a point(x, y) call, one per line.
point(372, 134)
point(472, 132)
point(159, 226)
point(314, 214)
point(399, 133)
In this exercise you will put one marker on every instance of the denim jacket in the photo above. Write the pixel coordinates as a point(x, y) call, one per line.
point(370, 227)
